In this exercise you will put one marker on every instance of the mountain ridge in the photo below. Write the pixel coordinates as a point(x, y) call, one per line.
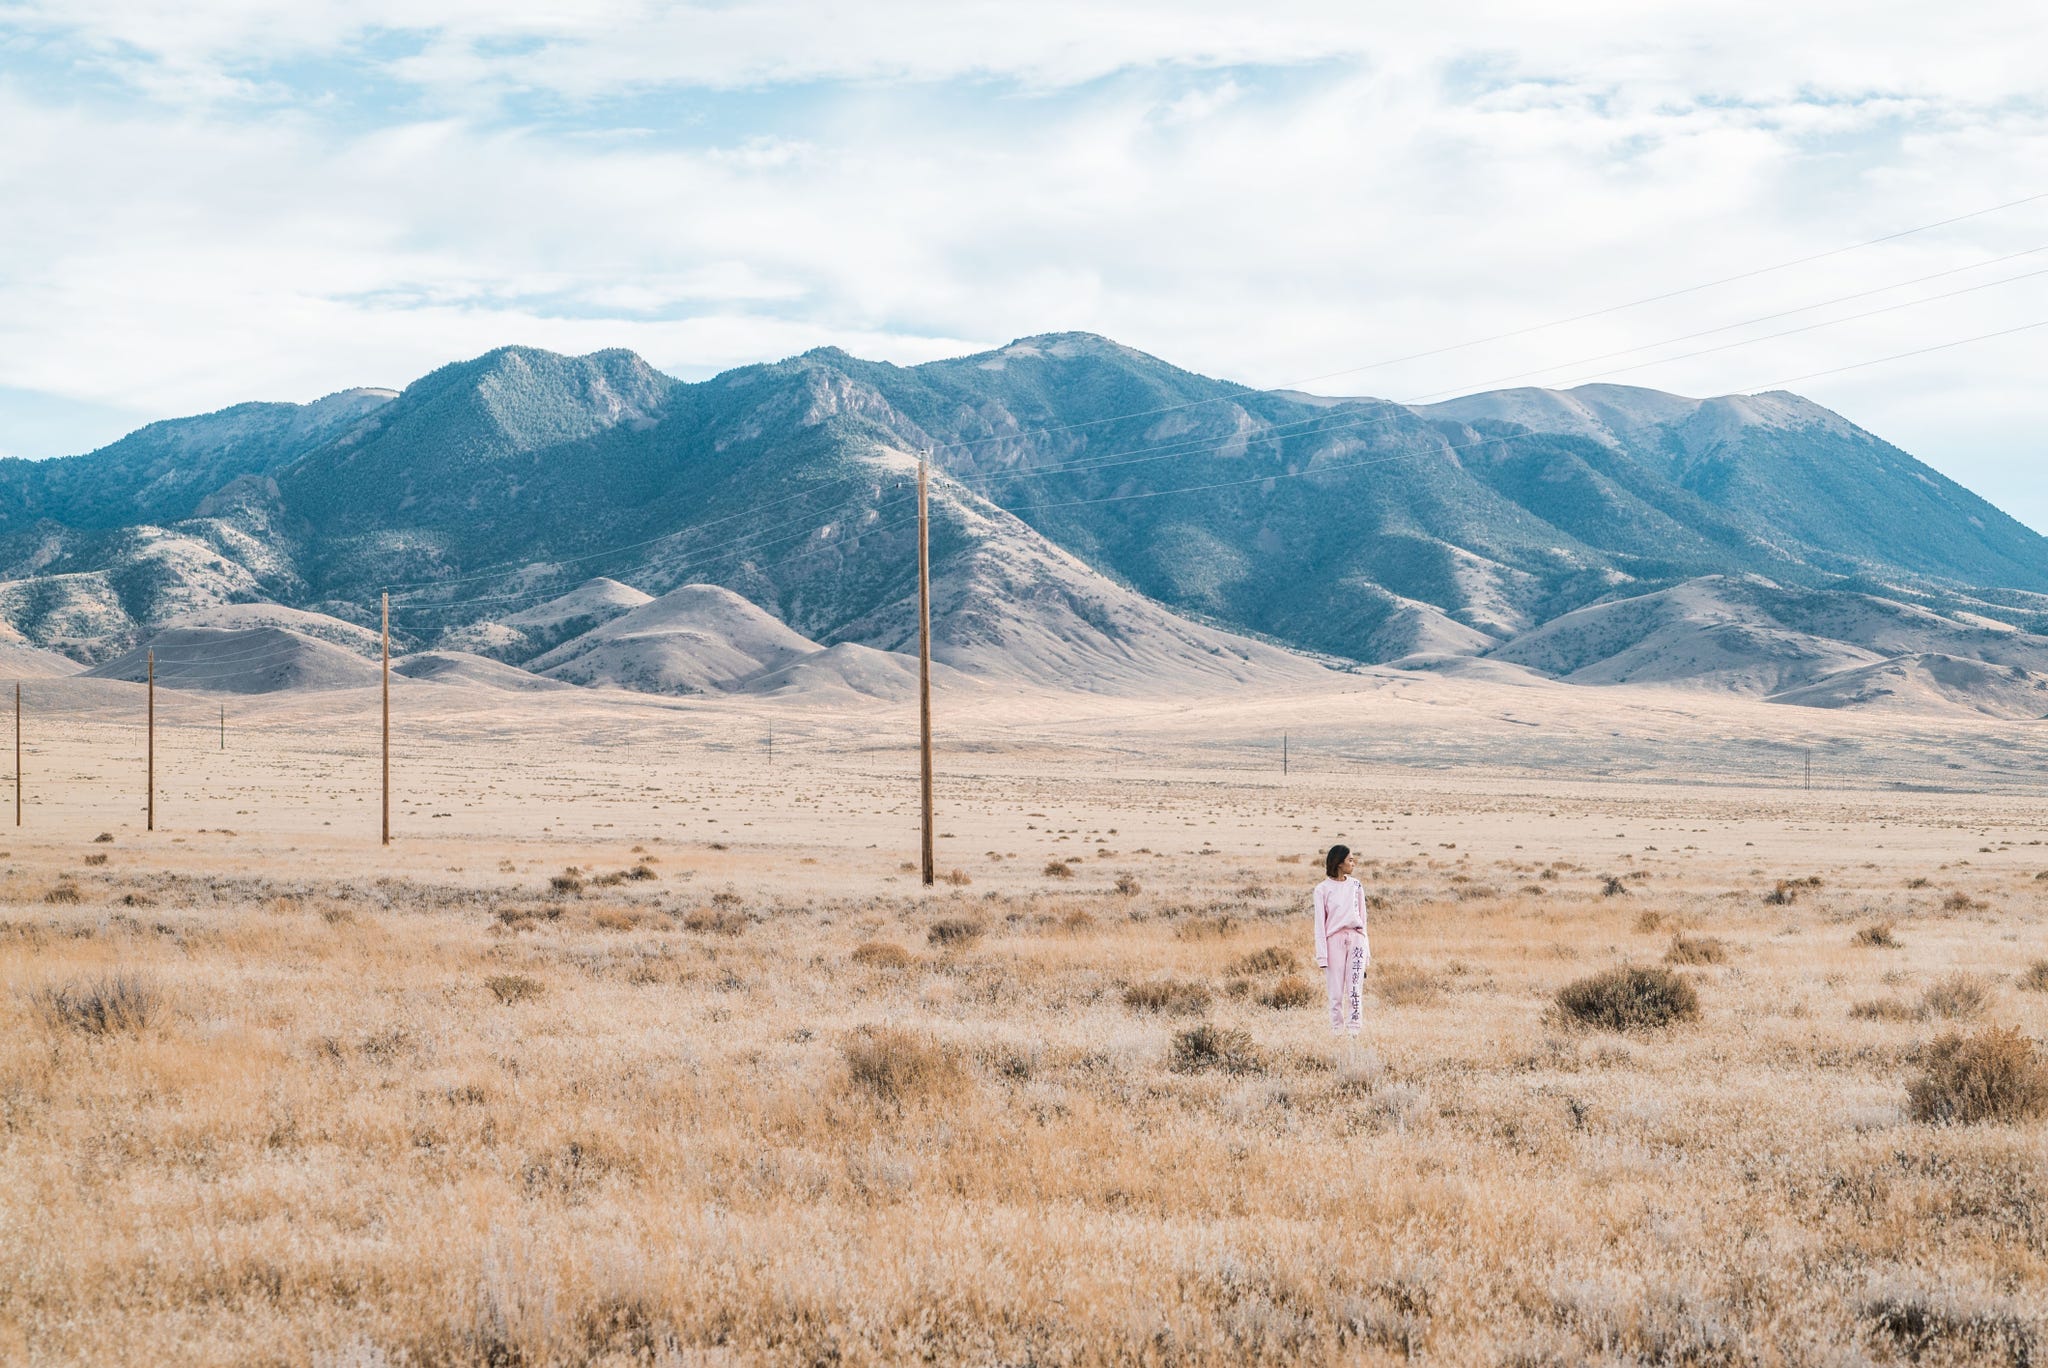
point(1099, 514)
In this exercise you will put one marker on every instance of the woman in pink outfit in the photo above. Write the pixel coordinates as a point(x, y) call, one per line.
point(1342, 951)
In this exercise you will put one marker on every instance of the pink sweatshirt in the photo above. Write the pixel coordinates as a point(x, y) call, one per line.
point(1339, 906)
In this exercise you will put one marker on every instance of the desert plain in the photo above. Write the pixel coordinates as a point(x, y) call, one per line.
point(642, 1043)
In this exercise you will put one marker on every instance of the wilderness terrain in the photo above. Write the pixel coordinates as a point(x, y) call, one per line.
point(640, 1043)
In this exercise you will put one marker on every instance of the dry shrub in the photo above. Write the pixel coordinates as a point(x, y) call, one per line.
point(1058, 869)
point(1128, 885)
point(1201, 928)
point(100, 1006)
point(1078, 920)
point(1941, 1325)
point(96, 860)
point(1785, 894)
point(1648, 921)
point(511, 988)
point(1176, 997)
point(1960, 901)
point(337, 914)
point(959, 878)
point(1403, 985)
point(1629, 997)
point(1207, 1046)
point(897, 1067)
point(1877, 934)
point(1995, 1075)
point(65, 894)
point(1273, 959)
point(2035, 977)
point(641, 872)
point(717, 921)
point(104, 838)
point(1686, 949)
point(566, 883)
point(882, 955)
point(1289, 993)
point(616, 918)
point(1613, 888)
point(1887, 1009)
point(953, 933)
point(1957, 996)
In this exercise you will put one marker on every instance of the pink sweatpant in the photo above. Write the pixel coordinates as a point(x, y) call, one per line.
point(1345, 978)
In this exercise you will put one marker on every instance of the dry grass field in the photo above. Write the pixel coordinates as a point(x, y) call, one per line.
point(744, 1094)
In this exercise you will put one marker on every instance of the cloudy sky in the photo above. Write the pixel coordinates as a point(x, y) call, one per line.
point(208, 201)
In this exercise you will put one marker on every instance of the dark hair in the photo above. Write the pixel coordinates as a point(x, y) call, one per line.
point(1338, 854)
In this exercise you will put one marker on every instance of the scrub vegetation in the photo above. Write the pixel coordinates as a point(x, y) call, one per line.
point(353, 1124)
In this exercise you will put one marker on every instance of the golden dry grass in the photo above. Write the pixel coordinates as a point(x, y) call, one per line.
point(408, 1123)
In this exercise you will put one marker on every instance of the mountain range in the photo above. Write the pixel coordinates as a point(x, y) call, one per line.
point(1101, 520)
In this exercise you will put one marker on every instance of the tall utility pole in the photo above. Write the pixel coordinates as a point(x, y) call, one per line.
point(223, 726)
point(387, 719)
point(152, 738)
point(924, 661)
point(17, 753)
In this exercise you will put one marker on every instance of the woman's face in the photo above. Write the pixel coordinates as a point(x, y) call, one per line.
point(1344, 869)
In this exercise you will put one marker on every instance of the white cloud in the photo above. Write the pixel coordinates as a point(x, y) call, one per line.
point(1358, 183)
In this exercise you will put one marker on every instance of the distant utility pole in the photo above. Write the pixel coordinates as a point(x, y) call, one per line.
point(1283, 754)
point(152, 738)
point(17, 753)
point(924, 660)
point(223, 726)
point(387, 719)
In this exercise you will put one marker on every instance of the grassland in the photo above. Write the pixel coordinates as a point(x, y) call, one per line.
point(652, 1111)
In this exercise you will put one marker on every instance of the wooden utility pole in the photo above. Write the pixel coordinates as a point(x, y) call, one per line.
point(152, 738)
point(387, 719)
point(17, 753)
point(924, 662)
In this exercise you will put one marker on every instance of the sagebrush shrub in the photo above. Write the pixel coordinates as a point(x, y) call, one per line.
point(1629, 997)
point(1686, 949)
point(953, 932)
point(1877, 934)
point(1995, 1075)
point(1274, 959)
point(1957, 996)
point(1174, 996)
point(1205, 1047)
point(2034, 978)
point(1290, 992)
point(717, 921)
point(881, 955)
point(511, 988)
point(100, 1006)
point(898, 1067)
